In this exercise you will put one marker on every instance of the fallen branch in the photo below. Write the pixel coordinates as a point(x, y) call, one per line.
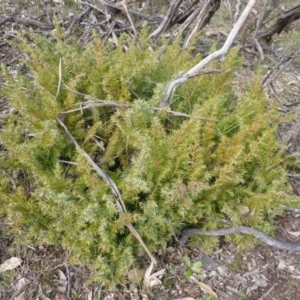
point(28, 22)
point(167, 20)
point(285, 62)
point(207, 11)
point(282, 22)
point(187, 233)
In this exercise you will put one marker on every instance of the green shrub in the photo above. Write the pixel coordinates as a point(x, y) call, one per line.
point(172, 172)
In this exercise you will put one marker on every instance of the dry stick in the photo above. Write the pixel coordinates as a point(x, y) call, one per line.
point(119, 7)
point(167, 20)
point(188, 21)
point(195, 12)
point(101, 103)
point(289, 208)
point(260, 18)
point(258, 25)
point(59, 79)
point(267, 293)
point(289, 59)
point(181, 18)
point(28, 22)
point(207, 11)
point(111, 183)
point(68, 282)
point(96, 23)
point(182, 78)
point(129, 18)
point(259, 49)
point(237, 10)
point(86, 10)
point(199, 21)
point(93, 6)
point(282, 22)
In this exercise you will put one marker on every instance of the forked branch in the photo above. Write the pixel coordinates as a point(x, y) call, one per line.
point(196, 70)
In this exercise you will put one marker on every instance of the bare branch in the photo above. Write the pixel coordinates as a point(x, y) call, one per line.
point(167, 20)
point(182, 78)
point(207, 11)
point(112, 185)
point(282, 22)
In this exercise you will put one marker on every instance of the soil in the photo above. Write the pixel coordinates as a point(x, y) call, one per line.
point(228, 273)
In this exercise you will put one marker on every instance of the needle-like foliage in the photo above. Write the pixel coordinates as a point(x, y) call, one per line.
point(224, 161)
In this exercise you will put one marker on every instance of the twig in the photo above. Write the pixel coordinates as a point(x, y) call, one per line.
point(67, 162)
point(86, 10)
point(112, 185)
point(260, 18)
point(268, 292)
point(288, 62)
point(27, 22)
point(282, 22)
point(102, 103)
point(167, 20)
point(129, 18)
point(118, 6)
point(291, 59)
point(259, 49)
point(68, 282)
point(237, 10)
point(59, 79)
point(208, 9)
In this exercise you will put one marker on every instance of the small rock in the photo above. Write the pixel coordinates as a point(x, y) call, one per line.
point(222, 270)
point(282, 265)
point(170, 250)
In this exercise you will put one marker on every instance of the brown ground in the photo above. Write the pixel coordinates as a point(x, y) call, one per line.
point(260, 273)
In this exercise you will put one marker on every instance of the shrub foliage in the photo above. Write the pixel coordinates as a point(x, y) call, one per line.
point(224, 161)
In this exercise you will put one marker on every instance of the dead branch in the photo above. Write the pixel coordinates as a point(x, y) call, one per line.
point(237, 10)
point(182, 78)
point(27, 22)
point(286, 62)
point(85, 11)
point(167, 20)
point(184, 15)
point(208, 9)
point(282, 22)
point(118, 7)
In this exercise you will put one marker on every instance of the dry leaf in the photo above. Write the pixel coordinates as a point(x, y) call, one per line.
point(10, 264)
point(206, 288)
point(20, 287)
point(154, 278)
point(62, 282)
point(294, 233)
